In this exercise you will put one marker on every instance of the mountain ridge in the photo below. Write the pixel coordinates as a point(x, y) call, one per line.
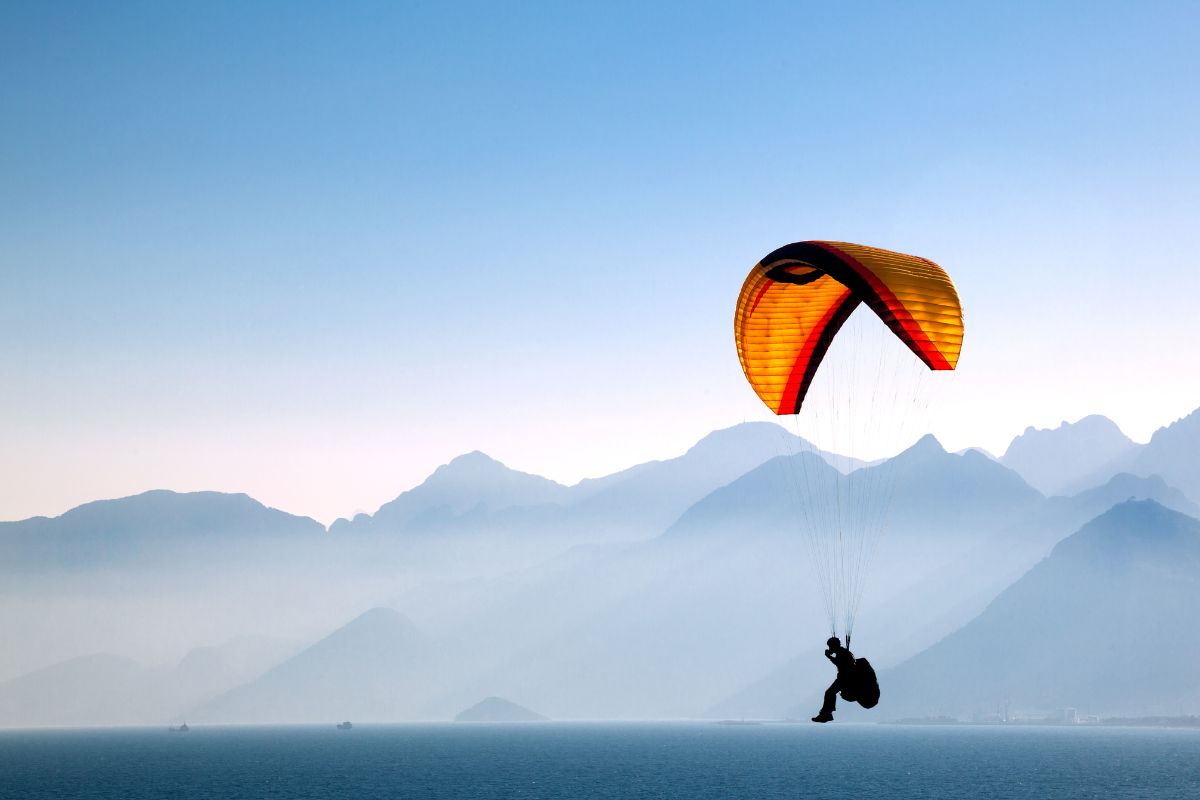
point(1051, 459)
point(1130, 576)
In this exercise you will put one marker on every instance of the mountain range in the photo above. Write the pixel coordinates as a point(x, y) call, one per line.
point(146, 530)
point(475, 492)
point(377, 668)
point(674, 588)
point(1053, 459)
point(1105, 623)
point(102, 689)
point(1077, 456)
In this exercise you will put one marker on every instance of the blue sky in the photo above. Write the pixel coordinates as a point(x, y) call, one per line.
point(310, 251)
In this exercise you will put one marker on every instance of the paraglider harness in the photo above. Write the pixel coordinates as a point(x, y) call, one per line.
point(858, 684)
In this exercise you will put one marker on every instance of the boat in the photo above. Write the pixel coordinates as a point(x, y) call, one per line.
point(344, 726)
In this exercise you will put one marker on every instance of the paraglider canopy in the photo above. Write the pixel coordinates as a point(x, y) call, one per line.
point(796, 299)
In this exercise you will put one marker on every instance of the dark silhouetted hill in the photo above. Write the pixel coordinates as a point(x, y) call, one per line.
point(497, 709)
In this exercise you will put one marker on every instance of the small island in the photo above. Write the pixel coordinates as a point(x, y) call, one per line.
point(497, 709)
point(345, 726)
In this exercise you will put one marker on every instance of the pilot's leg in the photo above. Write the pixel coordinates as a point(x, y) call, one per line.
point(831, 697)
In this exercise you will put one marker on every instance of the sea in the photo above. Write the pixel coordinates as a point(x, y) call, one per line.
point(692, 760)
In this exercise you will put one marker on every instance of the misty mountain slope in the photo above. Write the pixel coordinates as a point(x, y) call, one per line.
point(103, 689)
point(206, 672)
point(1124, 486)
point(652, 628)
point(926, 505)
point(153, 575)
point(768, 498)
point(476, 495)
point(907, 617)
point(98, 689)
point(647, 498)
point(657, 630)
point(732, 607)
point(145, 529)
point(516, 606)
point(1052, 460)
point(714, 460)
point(517, 633)
point(1173, 452)
point(670, 626)
point(965, 492)
point(734, 591)
point(473, 481)
point(970, 492)
point(666, 626)
point(378, 667)
point(977, 575)
point(947, 519)
point(1106, 624)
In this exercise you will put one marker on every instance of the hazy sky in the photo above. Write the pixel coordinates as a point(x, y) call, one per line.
point(310, 252)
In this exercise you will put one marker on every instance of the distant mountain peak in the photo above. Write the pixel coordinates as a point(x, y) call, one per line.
point(1189, 424)
point(740, 432)
point(141, 530)
point(470, 466)
point(1092, 422)
point(479, 466)
point(766, 437)
point(163, 498)
point(1133, 530)
point(473, 481)
point(1128, 486)
point(363, 670)
point(926, 447)
point(930, 441)
point(1052, 459)
point(473, 458)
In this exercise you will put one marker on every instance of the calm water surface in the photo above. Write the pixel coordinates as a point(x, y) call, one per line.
point(577, 760)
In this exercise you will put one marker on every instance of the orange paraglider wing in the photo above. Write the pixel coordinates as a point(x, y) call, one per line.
point(797, 298)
